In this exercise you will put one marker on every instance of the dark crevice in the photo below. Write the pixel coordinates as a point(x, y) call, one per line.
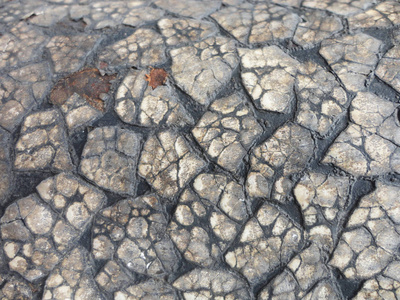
point(86, 238)
point(384, 90)
point(26, 183)
point(349, 288)
point(78, 140)
point(143, 187)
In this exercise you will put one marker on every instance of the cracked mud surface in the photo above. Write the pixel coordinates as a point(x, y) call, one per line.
point(224, 149)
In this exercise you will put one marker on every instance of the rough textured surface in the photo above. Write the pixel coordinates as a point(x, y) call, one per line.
point(268, 240)
point(110, 157)
point(286, 152)
point(38, 229)
point(353, 58)
point(216, 201)
point(268, 75)
point(143, 48)
point(21, 91)
point(370, 240)
point(203, 69)
point(321, 100)
point(257, 23)
point(137, 103)
point(168, 163)
point(199, 149)
point(133, 232)
point(42, 143)
point(227, 131)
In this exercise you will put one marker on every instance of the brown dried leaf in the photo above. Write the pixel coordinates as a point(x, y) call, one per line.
point(156, 77)
point(87, 83)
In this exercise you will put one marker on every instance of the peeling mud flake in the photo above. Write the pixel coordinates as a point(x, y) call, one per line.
point(109, 159)
point(43, 143)
point(168, 163)
point(340, 7)
point(22, 44)
point(288, 150)
point(133, 234)
point(138, 103)
point(305, 272)
point(267, 241)
point(149, 289)
point(217, 201)
point(38, 232)
point(258, 23)
point(69, 52)
point(384, 15)
point(211, 284)
point(203, 69)
point(322, 102)
point(22, 90)
point(370, 240)
point(87, 83)
point(268, 74)
point(190, 8)
point(227, 131)
point(143, 48)
point(322, 199)
point(370, 145)
point(73, 278)
point(316, 27)
point(389, 67)
point(352, 58)
point(179, 32)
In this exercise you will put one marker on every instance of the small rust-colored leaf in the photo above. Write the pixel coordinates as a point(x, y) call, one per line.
point(156, 77)
point(87, 83)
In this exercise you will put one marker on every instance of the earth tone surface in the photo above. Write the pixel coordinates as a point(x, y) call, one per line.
point(199, 149)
